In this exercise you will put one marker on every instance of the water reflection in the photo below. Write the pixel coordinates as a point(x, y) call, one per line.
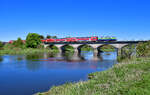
point(1, 58)
point(38, 72)
point(108, 56)
point(68, 55)
point(34, 56)
point(20, 57)
point(33, 66)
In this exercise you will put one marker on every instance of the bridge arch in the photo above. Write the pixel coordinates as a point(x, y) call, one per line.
point(80, 47)
point(106, 47)
point(52, 47)
point(67, 47)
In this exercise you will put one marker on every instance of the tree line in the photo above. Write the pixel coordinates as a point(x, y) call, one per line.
point(33, 40)
point(47, 37)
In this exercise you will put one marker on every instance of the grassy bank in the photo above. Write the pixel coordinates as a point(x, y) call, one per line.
point(131, 77)
point(19, 51)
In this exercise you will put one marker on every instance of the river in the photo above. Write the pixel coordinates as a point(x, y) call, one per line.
point(27, 75)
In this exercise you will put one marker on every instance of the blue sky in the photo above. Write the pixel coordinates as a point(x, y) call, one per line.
point(125, 19)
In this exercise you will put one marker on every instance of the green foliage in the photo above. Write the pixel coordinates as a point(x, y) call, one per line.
point(86, 48)
point(19, 43)
point(143, 49)
point(48, 37)
point(8, 46)
point(40, 46)
point(128, 51)
point(120, 58)
point(68, 48)
point(41, 37)
point(54, 47)
point(33, 40)
point(107, 48)
point(15, 51)
point(1, 45)
point(54, 37)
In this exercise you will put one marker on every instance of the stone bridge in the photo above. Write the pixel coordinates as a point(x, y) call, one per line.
point(95, 45)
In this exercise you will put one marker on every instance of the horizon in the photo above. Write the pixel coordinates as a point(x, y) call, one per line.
point(126, 20)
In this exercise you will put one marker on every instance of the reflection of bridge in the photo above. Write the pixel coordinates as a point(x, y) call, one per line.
point(95, 45)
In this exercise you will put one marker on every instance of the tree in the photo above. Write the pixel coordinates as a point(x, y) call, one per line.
point(128, 51)
point(48, 37)
point(33, 40)
point(18, 43)
point(143, 49)
point(1, 45)
point(41, 37)
point(54, 37)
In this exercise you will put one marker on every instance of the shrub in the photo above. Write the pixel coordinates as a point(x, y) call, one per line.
point(19, 43)
point(143, 49)
point(48, 37)
point(8, 46)
point(41, 37)
point(1, 45)
point(33, 40)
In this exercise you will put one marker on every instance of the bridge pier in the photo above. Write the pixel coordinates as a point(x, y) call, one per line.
point(119, 51)
point(59, 54)
point(60, 51)
point(76, 54)
point(95, 54)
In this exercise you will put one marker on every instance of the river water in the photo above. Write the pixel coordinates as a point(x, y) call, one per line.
point(27, 75)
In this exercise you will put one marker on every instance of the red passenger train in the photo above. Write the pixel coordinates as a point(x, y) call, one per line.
point(72, 39)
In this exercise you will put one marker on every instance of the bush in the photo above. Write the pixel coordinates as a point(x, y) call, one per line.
point(143, 49)
point(120, 58)
point(33, 40)
point(86, 48)
point(1, 45)
point(40, 46)
point(107, 48)
point(48, 37)
point(8, 46)
point(128, 51)
point(42, 37)
point(19, 43)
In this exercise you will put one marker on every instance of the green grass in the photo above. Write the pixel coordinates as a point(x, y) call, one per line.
point(131, 77)
point(16, 51)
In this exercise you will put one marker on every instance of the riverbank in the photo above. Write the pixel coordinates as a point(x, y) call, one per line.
point(131, 77)
point(19, 51)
